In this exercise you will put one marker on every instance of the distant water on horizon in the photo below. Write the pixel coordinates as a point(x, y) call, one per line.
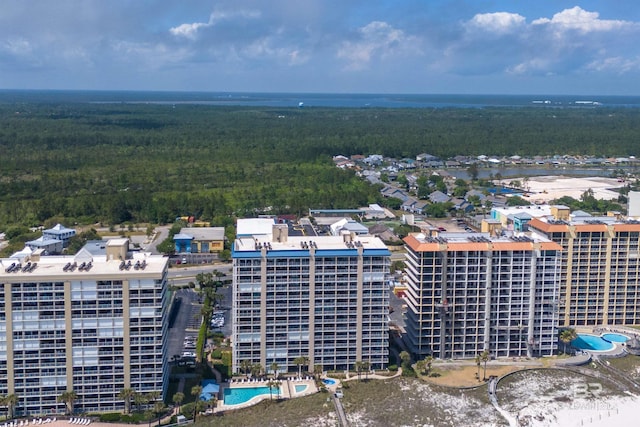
point(310, 100)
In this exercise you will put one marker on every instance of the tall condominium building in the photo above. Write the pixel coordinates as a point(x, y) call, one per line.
point(93, 323)
point(470, 292)
point(600, 275)
point(322, 298)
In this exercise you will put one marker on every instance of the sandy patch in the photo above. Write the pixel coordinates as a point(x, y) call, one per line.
point(545, 188)
point(465, 376)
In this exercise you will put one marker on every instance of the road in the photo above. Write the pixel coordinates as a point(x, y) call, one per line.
point(161, 233)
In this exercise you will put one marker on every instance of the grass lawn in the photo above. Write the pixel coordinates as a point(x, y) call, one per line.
point(309, 411)
point(629, 364)
point(408, 401)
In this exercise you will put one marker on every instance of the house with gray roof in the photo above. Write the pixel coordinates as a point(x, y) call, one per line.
point(59, 232)
point(50, 246)
point(438, 197)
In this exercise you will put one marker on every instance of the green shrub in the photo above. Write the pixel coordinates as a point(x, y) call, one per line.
point(393, 368)
point(111, 417)
point(217, 354)
point(187, 410)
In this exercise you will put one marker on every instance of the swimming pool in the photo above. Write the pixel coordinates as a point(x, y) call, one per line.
point(611, 337)
point(301, 387)
point(236, 396)
point(591, 342)
point(329, 381)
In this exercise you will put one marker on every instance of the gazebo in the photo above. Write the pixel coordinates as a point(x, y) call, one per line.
point(210, 389)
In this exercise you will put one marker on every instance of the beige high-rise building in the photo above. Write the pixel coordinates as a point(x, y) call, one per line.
point(324, 298)
point(94, 323)
point(600, 275)
point(473, 292)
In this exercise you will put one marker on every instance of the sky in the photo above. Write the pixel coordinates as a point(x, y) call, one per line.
point(579, 47)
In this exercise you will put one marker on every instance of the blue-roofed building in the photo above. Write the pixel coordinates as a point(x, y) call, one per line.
point(320, 297)
point(59, 232)
point(182, 242)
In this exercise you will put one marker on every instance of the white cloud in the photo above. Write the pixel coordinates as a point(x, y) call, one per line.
point(188, 30)
point(376, 40)
point(17, 46)
point(191, 30)
point(498, 22)
point(577, 18)
point(616, 64)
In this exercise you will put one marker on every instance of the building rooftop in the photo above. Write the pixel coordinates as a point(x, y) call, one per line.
point(59, 229)
point(254, 226)
point(302, 243)
point(42, 241)
point(453, 241)
point(202, 233)
point(93, 255)
point(535, 211)
point(585, 224)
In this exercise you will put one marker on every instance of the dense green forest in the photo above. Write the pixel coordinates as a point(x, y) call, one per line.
point(113, 163)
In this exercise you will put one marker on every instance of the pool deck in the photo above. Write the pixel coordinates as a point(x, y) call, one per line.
point(618, 348)
point(288, 390)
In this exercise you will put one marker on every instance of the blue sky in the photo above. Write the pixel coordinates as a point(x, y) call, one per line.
point(338, 46)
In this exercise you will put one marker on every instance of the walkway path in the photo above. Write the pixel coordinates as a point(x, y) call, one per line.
point(342, 417)
point(493, 382)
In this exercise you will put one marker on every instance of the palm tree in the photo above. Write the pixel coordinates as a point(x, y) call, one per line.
point(68, 398)
point(566, 336)
point(196, 391)
point(158, 407)
point(126, 394)
point(140, 399)
point(213, 401)
point(277, 384)
point(317, 371)
point(178, 398)
point(484, 357)
point(271, 384)
point(10, 401)
point(421, 366)
point(274, 368)
point(366, 367)
point(245, 365)
point(300, 361)
point(256, 369)
point(358, 368)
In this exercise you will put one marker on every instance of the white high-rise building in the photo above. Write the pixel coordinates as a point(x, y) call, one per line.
point(321, 298)
point(470, 292)
point(93, 323)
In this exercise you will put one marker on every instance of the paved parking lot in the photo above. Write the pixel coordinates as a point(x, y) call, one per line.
point(184, 306)
point(185, 318)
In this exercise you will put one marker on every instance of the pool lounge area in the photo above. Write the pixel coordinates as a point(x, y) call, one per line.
point(248, 392)
point(601, 342)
